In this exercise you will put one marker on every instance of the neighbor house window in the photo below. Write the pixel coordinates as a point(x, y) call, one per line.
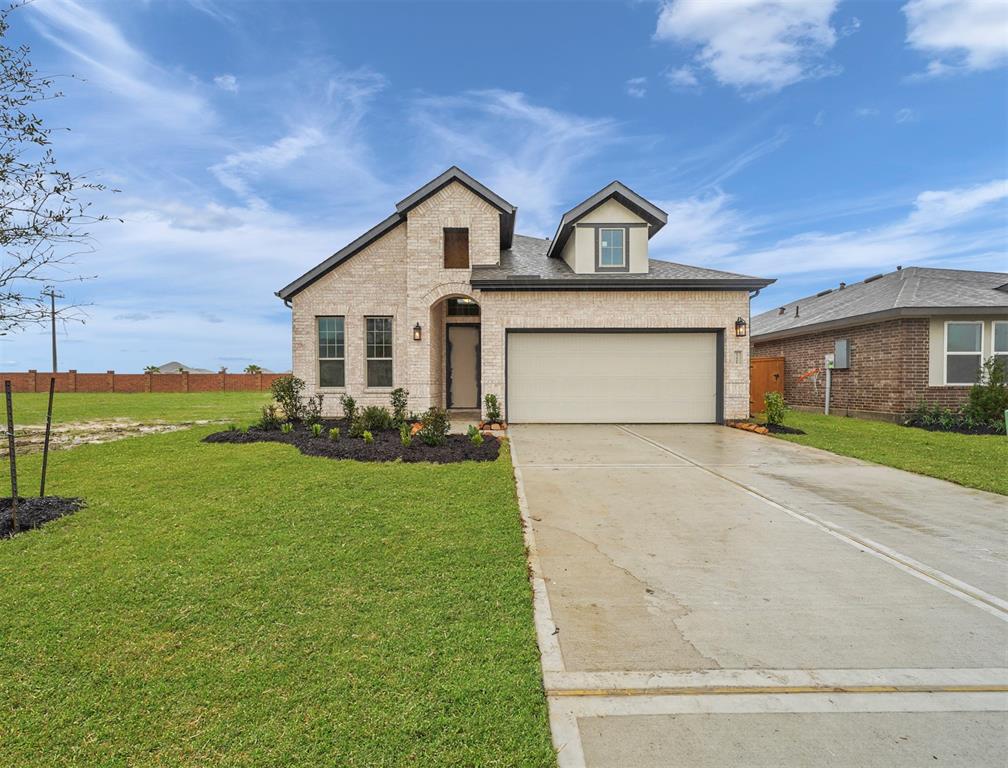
point(331, 352)
point(379, 351)
point(612, 247)
point(456, 248)
point(963, 351)
point(1001, 342)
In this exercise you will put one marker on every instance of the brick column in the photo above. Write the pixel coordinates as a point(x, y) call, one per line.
point(223, 379)
point(259, 381)
point(185, 381)
point(147, 381)
point(34, 379)
point(110, 380)
point(73, 379)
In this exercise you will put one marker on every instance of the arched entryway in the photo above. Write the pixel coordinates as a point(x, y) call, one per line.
point(455, 352)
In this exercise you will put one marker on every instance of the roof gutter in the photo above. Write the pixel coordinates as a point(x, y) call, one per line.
point(617, 284)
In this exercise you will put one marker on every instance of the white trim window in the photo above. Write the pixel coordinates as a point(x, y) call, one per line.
point(612, 247)
point(331, 352)
point(378, 347)
point(1000, 347)
point(963, 351)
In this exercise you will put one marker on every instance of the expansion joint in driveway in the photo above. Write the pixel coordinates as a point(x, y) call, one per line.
point(960, 589)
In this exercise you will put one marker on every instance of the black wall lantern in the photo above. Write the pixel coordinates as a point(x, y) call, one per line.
point(740, 328)
point(416, 332)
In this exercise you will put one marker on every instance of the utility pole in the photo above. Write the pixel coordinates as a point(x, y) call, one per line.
point(53, 294)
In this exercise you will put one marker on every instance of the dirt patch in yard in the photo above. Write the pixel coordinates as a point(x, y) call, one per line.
point(69, 435)
point(386, 445)
point(33, 512)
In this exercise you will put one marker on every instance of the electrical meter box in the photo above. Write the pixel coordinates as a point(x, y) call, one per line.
point(841, 353)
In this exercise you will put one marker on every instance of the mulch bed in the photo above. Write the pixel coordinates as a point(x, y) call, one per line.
point(386, 445)
point(762, 429)
point(33, 512)
point(978, 429)
point(781, 429)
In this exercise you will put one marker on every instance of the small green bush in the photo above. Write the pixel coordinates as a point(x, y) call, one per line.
point(988, 398)
point(434, 426)
point(286, 427)
point(404, 435)
point(349, 406)
point(288, 391)
point(232, 427)
point(316, 430)
point(368, 437)
point(269, 419)
point(334, 433)
point(475, 436)
point(492, 407)
point(400, 405)
point(311, 411)
point(376, 418)
point(773, 402)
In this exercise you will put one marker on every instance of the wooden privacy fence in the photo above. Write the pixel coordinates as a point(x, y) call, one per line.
point(110, 381)
point(766, 374)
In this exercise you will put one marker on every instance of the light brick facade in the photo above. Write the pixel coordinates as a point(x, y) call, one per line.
point(402, 275)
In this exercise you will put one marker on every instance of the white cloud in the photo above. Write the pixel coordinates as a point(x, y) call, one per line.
point(754, 45)
point(227, 83)
point(682, 77)
point(700, 229)
point(905, 115)
point(526, 152)
point(866, 112)
point(962, 35)
point(637, 87)
point(819, 119)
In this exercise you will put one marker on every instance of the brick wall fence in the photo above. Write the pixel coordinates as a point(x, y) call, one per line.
point(110, 381)
point(888, 375)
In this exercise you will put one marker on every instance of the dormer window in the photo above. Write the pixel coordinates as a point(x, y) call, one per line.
point(456, 248)
point(612, 248)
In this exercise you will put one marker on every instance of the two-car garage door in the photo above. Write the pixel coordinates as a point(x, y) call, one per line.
point(634, 377)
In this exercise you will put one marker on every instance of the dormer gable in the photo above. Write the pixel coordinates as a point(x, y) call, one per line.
point(608, 232)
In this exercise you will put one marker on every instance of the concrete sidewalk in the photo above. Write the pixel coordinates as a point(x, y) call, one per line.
point(713, 588)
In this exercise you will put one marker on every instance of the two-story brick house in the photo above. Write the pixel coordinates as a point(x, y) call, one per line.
point(443, 298)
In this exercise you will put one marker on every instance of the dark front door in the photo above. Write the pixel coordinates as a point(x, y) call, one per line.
point(463, 354)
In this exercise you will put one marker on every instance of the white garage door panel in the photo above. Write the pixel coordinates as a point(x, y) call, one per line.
point(612, 377)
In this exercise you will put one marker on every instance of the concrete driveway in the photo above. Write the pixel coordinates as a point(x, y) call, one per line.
point(706, 596)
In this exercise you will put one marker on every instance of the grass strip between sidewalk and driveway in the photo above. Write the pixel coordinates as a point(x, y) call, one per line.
point(976, 461)
point(246, 605)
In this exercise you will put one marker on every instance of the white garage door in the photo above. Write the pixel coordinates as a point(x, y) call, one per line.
point(559, 377)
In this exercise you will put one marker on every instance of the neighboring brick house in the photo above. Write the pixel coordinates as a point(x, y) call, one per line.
point(915, 335)
point(442, 298)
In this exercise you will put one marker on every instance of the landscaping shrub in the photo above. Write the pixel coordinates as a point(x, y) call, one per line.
point(334, 433)
point(375, 418)
point(368, 437)
point(269, 419)
point(475, 436)
point(349, 406)
point(434, 426)
point(492, 407)
point(988, 398)
point(288, 391)
point(968, 421)
point(400, 403)
point(286, 427)
point(316, 430)
point(773, 403)
point(312, 412)
point(404, 435)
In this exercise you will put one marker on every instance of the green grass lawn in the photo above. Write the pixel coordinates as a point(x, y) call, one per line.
point(249, 606)
point(241, 407)
point(977, 461)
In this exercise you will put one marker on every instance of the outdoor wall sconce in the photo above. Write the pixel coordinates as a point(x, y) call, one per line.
point(740, 328)
point(416, 332)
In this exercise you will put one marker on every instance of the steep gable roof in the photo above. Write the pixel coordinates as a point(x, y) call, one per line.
point(403, 207)
point(909, 292)
point(622, 194)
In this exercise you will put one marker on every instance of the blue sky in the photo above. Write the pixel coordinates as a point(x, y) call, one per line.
point(813, 142)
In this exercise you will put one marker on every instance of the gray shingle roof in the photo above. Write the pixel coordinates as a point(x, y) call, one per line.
point(526, 264)
point(910, 292)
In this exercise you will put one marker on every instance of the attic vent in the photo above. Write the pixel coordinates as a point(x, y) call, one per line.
point(783, 309)
point(873, 277)
point(796, 310)
point(842, 286)
point(823, 293)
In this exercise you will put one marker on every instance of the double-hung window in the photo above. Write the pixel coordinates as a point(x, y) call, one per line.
point(963, 351)
point(1000, 347)
point(331, 352)
point(612, 247)
point(378, 343)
